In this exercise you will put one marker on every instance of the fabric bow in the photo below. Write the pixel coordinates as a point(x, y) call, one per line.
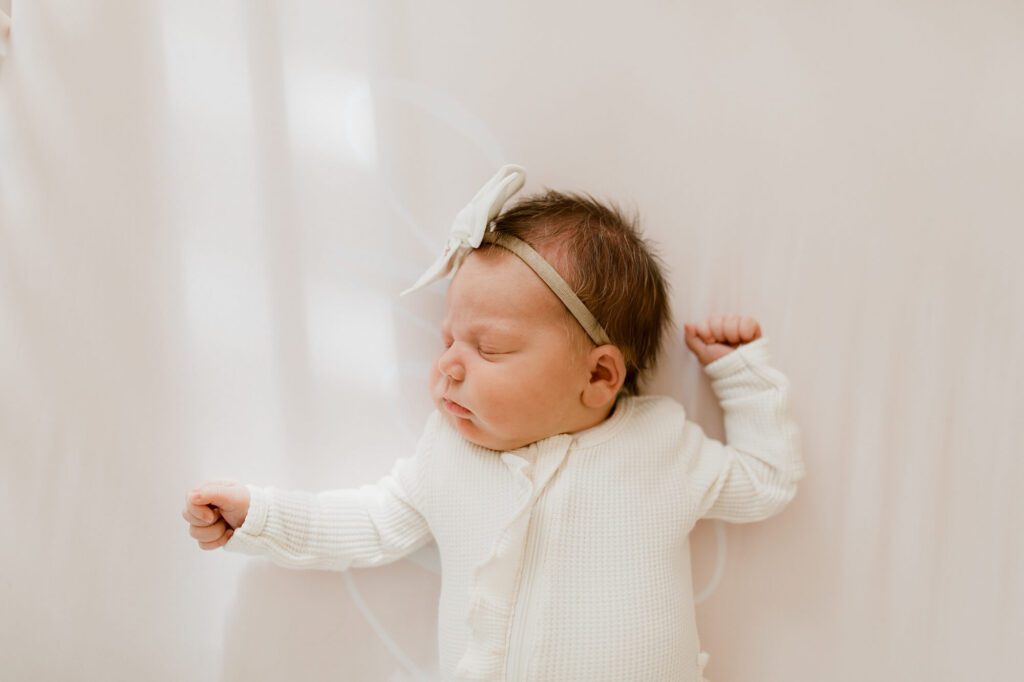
point(471, 223)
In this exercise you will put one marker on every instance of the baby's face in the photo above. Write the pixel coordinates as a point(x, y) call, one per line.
point(512, 371)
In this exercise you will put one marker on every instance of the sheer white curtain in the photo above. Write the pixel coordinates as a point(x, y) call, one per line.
point(207, 211)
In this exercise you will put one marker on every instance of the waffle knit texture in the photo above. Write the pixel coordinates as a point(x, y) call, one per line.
point(569, 558)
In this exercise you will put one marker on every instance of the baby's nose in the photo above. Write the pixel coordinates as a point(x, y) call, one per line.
point(450, 366)
point(455, 371)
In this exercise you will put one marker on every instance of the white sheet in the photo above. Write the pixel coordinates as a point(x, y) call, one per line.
point(208, 210)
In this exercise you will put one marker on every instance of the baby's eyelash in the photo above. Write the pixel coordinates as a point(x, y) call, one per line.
point(483, 350)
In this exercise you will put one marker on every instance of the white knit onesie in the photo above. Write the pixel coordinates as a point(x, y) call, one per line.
point(567, 559)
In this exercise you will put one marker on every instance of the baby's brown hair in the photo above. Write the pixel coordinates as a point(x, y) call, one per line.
point(601, 254)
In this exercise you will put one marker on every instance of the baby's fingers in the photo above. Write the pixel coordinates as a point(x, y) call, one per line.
point(703, 329)
point(208, 534)
point(695, 343)
point(199, 514)
point(717, 329)
point(222, 540)
point(692, 337)
point(731, 328)
point(749, 329)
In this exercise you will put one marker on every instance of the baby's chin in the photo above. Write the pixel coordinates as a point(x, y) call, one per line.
point(467, 427)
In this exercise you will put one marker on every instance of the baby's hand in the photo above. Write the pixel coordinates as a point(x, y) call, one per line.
point(214, 509)
point(720, 335)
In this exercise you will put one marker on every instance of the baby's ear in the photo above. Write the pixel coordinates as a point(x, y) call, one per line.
point(607, 368)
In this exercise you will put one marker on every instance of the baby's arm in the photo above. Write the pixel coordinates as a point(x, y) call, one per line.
point(369, 525)
point(754, 474)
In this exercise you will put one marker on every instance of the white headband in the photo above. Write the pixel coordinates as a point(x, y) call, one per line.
point(473, 226)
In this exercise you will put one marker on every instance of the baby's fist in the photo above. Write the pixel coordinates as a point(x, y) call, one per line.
point(720, 335)
point(214, 509)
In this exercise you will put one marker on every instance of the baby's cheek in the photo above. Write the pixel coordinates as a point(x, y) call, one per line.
point(490, 389)
point(518, 394)
point(538, 383)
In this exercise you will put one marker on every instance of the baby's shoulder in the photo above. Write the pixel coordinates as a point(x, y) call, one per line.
point(655, 406)
point(654, 411)
point(652, 423)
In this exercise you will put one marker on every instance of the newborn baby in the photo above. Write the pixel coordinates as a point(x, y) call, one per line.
point(560, 499)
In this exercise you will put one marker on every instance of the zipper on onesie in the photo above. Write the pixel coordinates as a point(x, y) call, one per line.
point(515, 669)
point(524, 619)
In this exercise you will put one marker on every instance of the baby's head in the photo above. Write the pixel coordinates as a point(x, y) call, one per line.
point(518, 366)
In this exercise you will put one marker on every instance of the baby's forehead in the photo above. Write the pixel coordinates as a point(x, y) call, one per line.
point(471, 318)
point(471, 324)
point(499, 286)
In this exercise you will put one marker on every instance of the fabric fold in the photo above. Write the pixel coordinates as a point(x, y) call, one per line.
point(494, 588)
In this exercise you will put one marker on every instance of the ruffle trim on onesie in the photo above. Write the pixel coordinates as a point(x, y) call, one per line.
point(494, 585)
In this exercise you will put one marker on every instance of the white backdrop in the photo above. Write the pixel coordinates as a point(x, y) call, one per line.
point(207, 210)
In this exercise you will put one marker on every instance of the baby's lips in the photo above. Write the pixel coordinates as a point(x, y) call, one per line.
point(456, 408)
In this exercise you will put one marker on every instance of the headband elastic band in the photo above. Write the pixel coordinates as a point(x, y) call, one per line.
point(554, 281)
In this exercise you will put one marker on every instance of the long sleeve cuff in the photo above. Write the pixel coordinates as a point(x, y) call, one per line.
point(256, 519)
point(755, 352)
point(744, 372)
point(243, 540)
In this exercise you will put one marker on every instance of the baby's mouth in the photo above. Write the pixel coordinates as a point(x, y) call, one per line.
point(455, 408)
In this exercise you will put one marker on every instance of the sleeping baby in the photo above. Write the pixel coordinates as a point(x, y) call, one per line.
point(561, 499)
